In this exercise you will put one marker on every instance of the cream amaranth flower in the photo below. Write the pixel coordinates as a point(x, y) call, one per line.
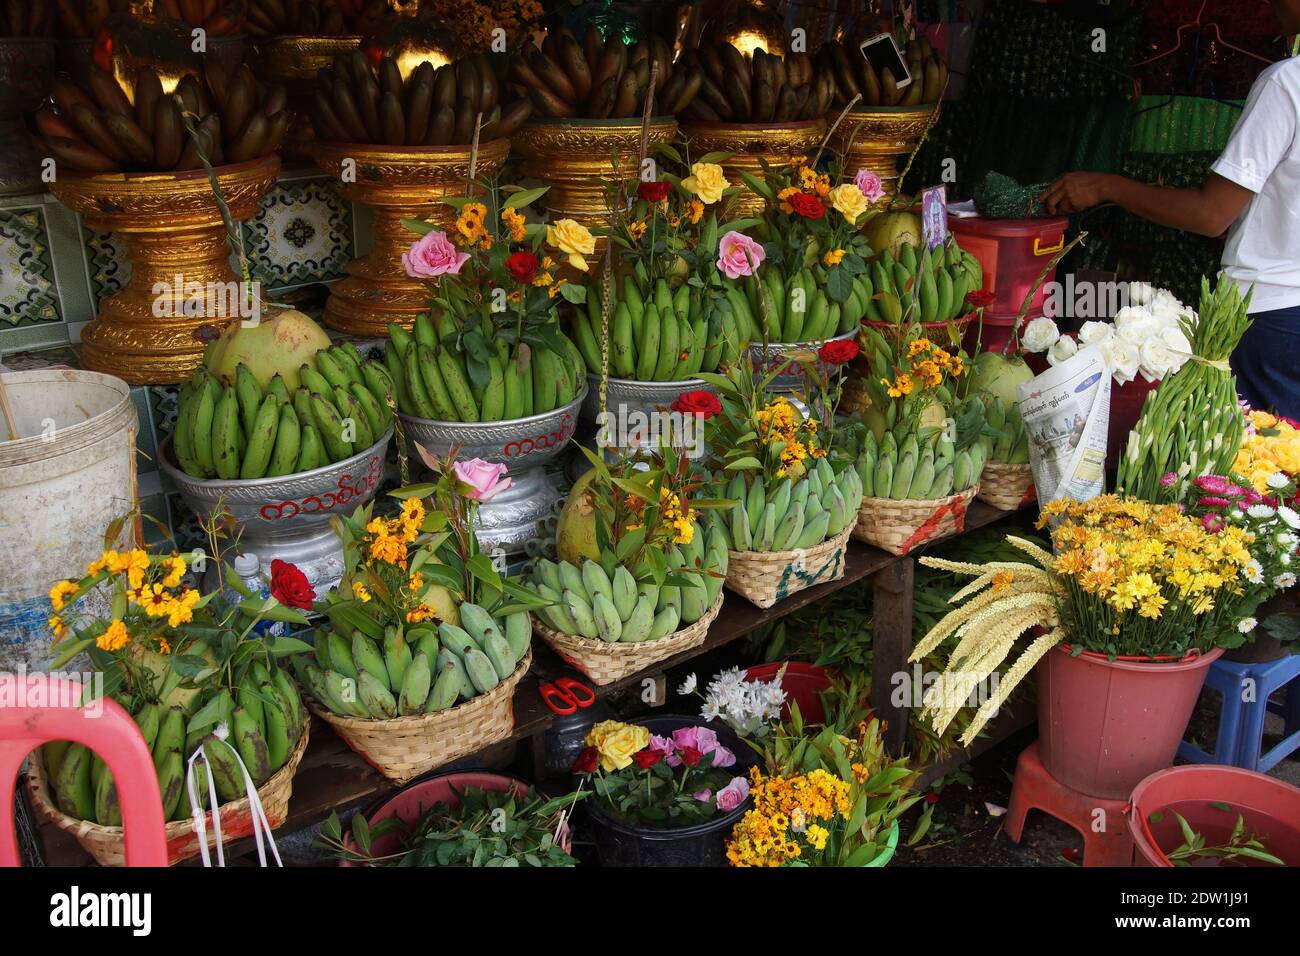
point(1290, 517)
point(1260, 511)
point(1277, 480)
point(1254, 572)
point(1246, 625)
point(1284, 580)
point(688, 685)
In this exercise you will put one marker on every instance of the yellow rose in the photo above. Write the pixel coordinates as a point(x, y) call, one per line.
point(573, 239)
point(849, 201)
point(616, 742)
point(706, 181)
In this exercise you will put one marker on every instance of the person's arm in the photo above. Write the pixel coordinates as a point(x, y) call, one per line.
point(1207, 211)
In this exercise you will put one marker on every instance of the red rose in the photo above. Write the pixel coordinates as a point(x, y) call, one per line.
point(690, 756)
point(981, 298)
point(653, 191)
point(523, 266)
point(289, 586)
point(699, 402)
point(807, 205)
point(586, 762)
point(645, 759)
point(838, 351)
point(932, 798)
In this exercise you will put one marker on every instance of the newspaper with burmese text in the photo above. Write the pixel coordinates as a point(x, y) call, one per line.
point(1066, 411)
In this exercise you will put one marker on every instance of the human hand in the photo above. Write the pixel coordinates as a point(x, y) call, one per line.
point(1075, 192)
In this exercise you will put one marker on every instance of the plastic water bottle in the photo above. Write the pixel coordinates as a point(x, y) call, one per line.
point(249, 569)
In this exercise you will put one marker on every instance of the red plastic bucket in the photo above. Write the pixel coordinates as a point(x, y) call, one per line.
point(1012, 253)
point(802, 683)
point(1104, 725)
point(993, 334)
point(1125, 408)
point(1269, 809)
point(409, 803)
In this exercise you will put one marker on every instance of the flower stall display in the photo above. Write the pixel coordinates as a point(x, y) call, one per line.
point(922, 452)
point(214, 704)
point(1137, 596)
point(490, 347)
point(666, 798)
point(827, 796)
point(790, 510)
point(648, 581)
point(666, 323)
point(470, 819)
point(1191, 425)
point(426, 640)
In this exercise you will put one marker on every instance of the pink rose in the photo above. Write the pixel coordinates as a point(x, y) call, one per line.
point(870, 184)
point(432, 255)
point(705, 741)
point(487, 480)
point(733, 794)
point(703, 795)
point(739, 255)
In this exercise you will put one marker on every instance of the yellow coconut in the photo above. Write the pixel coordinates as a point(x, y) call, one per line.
point(575, 532)
point(441, 600)
point(280, 344)
point(893, 230)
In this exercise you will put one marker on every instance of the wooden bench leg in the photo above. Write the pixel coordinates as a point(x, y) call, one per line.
point(891, 646)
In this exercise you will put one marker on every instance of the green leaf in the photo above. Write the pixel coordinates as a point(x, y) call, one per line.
point(525, 197)
point(577, 294)
point(714, 158)
point(419, 226)
point(280, 645)
point(747, 462)
point(269, 609)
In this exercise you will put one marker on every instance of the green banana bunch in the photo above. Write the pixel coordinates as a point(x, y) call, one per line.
point(1191, 425)
point(240, 431)
point(263, 728)
point(924, 465)
point(1011, 446)
point(416, 669)
point(789, 514)
point(589, 602)
point(935, 283)
point(655, 334)
point(433, 382)
point(798, 308)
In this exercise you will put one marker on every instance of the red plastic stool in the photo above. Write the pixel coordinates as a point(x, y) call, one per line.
point(111, 733)
point(1036, 789)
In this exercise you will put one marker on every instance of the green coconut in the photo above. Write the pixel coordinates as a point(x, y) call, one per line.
point(893, 230)
point(278, 345)
point(998, 375)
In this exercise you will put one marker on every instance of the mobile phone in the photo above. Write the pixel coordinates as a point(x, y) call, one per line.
point(882, 53)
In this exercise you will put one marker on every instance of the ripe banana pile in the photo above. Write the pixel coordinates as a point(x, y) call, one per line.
point(588, 602)
point(239, 431)
point(217, 18)
point(432, 107)
point(265, 717)
point(935, 284)
point(432, 381)
point(309, 17)
point(854, 74)
point(762, 88)
point(35, 18)
point(416, 670)
point(918, 469)
point(595, 79)
point(790, 515)
point(103, 129)
point(797, 308)
point(663, 336)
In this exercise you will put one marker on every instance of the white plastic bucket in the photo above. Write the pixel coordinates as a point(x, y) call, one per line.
point(61, 484)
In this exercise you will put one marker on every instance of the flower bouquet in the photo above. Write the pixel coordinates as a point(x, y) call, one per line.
point(666, 324)
point(427, 641)
point(1148, 584)
point(490, 348)
point(649, 580)
point(791, 510)
point(921, 451)
point(644, 784)
point(206, 691)
point(829, 796)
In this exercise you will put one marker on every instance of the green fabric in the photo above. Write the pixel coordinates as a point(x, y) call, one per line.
point(1182, 124)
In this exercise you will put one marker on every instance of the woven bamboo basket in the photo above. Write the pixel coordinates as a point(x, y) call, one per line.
point(405, 747)
point(606, 662)
point(765, 577)
point(899, 526)
point(1006, 487)
point(106, 845)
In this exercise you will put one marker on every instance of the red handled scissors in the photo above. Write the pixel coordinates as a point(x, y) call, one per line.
point(566, 695)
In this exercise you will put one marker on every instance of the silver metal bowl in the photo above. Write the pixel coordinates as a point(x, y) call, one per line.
point(779, 353)
point(288, 517)
point(525, 446)
point(630, 404)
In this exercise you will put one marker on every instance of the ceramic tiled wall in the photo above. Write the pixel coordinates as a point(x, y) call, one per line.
point(54, 271)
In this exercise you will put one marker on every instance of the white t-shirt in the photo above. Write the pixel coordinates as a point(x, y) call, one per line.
point(1263, 155)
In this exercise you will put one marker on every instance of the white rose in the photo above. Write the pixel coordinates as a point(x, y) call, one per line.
point(1122, 358)
point(1040, 335)
point(1135, 324)
point(1095, 333)
point(1062, 349)
point(1165, 298)
point(1140, 293)
point(1167, 315)
point(1158, 359)
point(1179, 348)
